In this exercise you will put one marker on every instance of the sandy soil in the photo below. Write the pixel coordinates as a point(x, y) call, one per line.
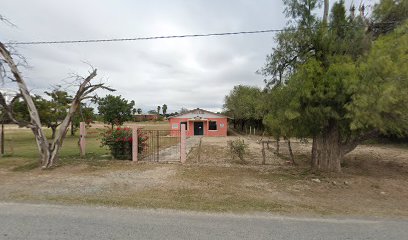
point(374, 182)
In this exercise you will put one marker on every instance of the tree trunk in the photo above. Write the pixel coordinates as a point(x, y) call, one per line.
point(72, 129)
point(263, 153)
point(277, 145)
point(53, 130)
point(325, 12)
point(48, 150)
point(292, 157)
point(326, 151)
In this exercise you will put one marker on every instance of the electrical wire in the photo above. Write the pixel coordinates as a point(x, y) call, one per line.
point(166, 37)
point(146, 38)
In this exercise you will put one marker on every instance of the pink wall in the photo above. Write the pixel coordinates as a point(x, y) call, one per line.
point(220, 132)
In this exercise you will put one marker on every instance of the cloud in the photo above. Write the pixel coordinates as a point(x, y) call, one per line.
point(193, 72)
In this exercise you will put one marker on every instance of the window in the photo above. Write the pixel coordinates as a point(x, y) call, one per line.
point(212, 125)
point(185, 124)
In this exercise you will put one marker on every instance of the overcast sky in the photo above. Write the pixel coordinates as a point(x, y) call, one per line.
point(190, 73)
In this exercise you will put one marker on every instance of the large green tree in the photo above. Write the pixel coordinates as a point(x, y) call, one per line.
point(245, 105)
point(116, 110)
point(331, 84)
point(52, 111)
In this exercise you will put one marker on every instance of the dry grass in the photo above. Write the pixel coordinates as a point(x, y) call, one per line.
point(373, 182)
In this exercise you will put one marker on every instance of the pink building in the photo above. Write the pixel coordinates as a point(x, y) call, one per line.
point(200, 122)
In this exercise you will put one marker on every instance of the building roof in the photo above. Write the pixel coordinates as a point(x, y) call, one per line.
point(198, 112)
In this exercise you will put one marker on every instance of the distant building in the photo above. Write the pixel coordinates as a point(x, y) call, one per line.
point(200, 122)
point(145, 117)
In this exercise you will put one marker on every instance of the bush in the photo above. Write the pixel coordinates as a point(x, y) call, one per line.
point(119, 141)
point(237, 148)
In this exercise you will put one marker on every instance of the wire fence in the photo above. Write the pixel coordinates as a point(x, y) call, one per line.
point(102, 142)
point(159, 145)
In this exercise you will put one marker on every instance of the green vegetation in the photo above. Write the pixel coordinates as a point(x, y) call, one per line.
point(338, 81)
point(116, 110)
point(158, 110)
point(84, 114)
point(245, 105)
point(119, 141)
point(164, 109)
point(238, 148)
point(52, 112)
point(20, 143)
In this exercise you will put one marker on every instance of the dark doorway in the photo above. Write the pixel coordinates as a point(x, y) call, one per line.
point(198, 128)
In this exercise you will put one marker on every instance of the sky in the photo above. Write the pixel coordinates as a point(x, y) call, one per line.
point(189, 72)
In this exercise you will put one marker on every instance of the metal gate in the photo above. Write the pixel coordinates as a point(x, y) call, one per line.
point(159, 145)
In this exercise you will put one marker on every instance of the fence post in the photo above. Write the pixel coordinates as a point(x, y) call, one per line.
point(2, 140)
point(82, 135)
point(183, 156)
point(158, 145)
point(263, 153)
point(135, 144)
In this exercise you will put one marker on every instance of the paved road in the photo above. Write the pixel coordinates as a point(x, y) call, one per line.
point(28, 221)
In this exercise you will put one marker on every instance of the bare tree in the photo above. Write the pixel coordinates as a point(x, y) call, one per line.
point(48, 149)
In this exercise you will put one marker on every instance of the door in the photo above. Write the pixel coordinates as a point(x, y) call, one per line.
point(198, 128)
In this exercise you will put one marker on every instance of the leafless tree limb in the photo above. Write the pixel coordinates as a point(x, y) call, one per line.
point(49, 150)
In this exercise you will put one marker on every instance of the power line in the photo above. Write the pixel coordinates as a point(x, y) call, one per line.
point(145, 38)
point(171, 36)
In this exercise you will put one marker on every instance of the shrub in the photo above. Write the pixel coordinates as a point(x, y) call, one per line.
point(237, 148)
point(119, 141)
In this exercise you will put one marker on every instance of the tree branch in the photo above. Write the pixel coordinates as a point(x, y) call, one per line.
point(9, 110)
point(351, 144)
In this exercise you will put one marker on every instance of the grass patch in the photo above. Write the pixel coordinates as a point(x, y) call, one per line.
point(28, 166)
point(183, 199)
point(20, 143)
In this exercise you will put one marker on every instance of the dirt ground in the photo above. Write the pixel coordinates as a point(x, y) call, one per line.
point(374, 182)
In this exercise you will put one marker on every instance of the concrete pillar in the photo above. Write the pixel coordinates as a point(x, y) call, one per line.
point(183, 155)
point(135, 140)
point(82, 141)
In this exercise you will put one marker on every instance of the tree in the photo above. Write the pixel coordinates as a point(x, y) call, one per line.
point(152, 112)
point(164, 109)
point(54, 110)
point(116, 110)
point(245, 105)
point(139, 111)
point(338, 88)
point(49, 150)
point(280, 122)
point(158, 110)
point(388, 15)
point(51, 112)
point(183, 110)
point(84, 114)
